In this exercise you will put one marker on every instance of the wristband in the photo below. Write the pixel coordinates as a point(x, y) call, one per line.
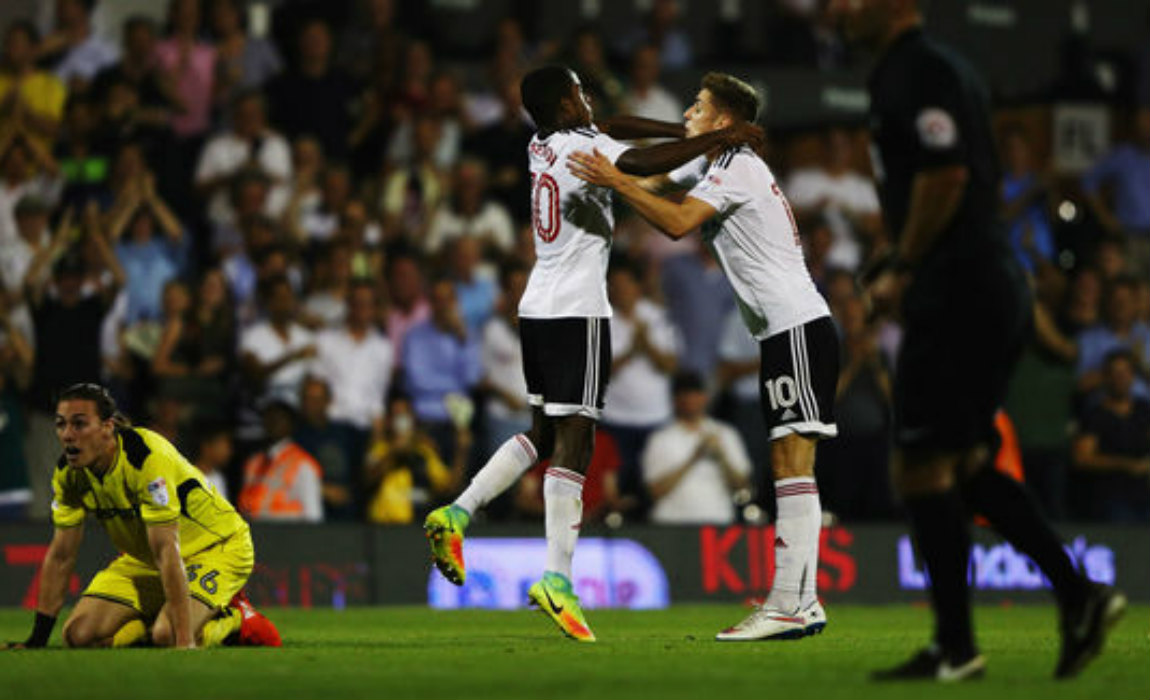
point(41, 631)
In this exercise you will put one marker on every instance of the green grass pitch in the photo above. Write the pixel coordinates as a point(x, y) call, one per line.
point(405, 653)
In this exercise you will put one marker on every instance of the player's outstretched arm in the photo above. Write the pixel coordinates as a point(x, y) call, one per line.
point(625, 127)
point(665, 157)
point(673, 219)
point(56, 570)
point(164, 541)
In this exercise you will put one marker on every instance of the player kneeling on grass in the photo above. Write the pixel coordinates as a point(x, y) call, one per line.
point(185, 553)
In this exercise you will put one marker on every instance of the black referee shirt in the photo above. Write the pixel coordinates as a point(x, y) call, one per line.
point(929, 109)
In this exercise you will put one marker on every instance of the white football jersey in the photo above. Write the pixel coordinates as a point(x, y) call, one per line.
point(756, 240)
point(572, 224)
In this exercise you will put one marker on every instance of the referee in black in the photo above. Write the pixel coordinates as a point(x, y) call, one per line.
point(966, 311)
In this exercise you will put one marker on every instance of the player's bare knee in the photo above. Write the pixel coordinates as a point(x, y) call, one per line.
point(78, 633)
point(793, 456)
point(543, 440)
point(162, 634)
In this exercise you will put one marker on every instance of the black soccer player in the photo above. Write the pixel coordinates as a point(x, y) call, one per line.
point(564, 326)
point(966, 311)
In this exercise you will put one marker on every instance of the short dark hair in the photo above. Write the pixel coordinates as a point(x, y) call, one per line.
point(733, 96)
point(687, 380)
point(106, 407)
point(1120, 353)
point(542, 89)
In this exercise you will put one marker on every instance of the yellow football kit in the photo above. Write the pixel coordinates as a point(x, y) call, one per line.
point(151, 483)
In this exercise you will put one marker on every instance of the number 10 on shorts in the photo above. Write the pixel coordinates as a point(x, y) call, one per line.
point(781, 392)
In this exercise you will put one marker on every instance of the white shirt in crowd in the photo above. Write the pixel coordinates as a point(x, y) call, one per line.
point(849, 192)
point(658, 104)
point(702, 495)
point(261, 340)
point(492, 222)
point(226, 153)
point(756, 241)
point(639, 394)
point(358, 372)
point(573, 225)
point(502, 359)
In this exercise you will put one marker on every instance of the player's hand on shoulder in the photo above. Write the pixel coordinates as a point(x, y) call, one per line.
point(745, 133)
point(593, 167)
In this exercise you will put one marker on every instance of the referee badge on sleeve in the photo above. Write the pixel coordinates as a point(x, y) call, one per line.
point(936, 128)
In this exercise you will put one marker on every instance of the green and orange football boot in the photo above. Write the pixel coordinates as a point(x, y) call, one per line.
point(555, 597)
point(444, 527)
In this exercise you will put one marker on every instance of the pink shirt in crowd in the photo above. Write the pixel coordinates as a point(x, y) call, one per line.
point(194, 79)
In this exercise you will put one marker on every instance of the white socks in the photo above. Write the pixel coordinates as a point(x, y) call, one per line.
point(797, 530)
point(503, 469)
point(563, 500)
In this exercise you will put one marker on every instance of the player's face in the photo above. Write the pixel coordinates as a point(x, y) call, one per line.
point(82, 434)
point(702, 117)
point(583, 112)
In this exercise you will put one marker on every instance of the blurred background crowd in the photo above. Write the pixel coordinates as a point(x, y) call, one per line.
point(291, 237)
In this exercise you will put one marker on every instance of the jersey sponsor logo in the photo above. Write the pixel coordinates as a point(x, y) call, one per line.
point(936, 128)
point(158, 489)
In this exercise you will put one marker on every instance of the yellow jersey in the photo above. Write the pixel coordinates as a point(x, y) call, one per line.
point(149, 483)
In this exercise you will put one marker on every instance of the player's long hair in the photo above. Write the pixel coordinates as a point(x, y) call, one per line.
point(106, 407)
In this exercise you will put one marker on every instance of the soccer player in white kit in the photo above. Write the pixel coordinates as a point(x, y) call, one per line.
point(749, 226)
point(564, 326)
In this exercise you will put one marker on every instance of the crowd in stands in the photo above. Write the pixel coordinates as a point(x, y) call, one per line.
point(298, 255)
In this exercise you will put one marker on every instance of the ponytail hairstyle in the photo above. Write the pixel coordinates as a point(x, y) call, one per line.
point(105, 405)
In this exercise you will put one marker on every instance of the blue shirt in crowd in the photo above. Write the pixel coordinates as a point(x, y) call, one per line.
point(1127, 170)
point(148, 267)
point(436, 364)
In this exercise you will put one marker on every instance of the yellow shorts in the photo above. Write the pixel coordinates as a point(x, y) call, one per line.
point(214, 576)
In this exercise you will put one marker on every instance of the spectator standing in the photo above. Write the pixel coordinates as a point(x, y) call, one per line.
point(248, 146)
point(149, 261)
point(846, 199)
point(67, 318)
point(275, 354)
point(694, 466)
point(315, 97)
point(74, 51)
point(409, 306)
point(506, 408)
point(661, 29)
point(243, 62)
point(1025, 195)
point(356, 361)
point(32, 236)
point(1120, 328)
point(854, 468)
point(440, 359)
point(339, 453)
point(1111, 476)
point(213, 453)
point(643, 351)
point(31, 100)
point(503, 147)
point(475, 290)
point(1126, 169)
point(698, 298)
point(191, 63)
point(16, 361)
point(282, 483)
point(645, 97)
point(469, 213)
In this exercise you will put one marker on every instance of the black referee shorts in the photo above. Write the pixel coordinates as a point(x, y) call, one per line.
point(962, 339)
